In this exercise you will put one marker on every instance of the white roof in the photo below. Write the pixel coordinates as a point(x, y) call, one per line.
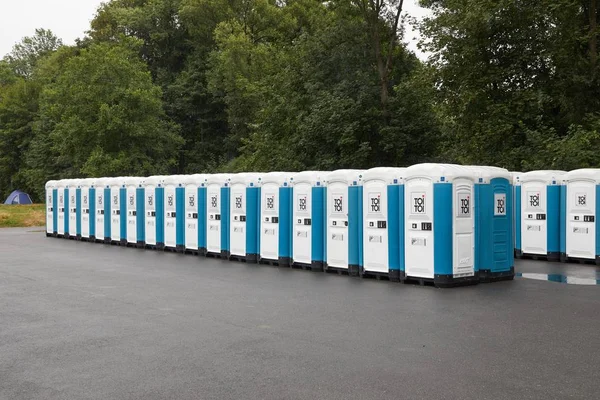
point(387, 174)
point(175, 179)
point(114, 181)
point(133, 180)
point(488, 173)
point(51, 184)
point(196, 179)
point(100, 182)
point(439, 172)
point(311, 177)
point(591, 174)
point(349, 176)
point(218, 179)
point(153, 180)
point(547, 176)
point(278, 178)
point(245, 178)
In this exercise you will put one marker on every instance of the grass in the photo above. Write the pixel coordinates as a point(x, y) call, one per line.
point(22, 216)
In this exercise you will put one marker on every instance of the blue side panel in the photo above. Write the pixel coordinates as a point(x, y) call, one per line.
point(92, 216)
point(401, 233)
point(510, 209)
point(553, 218)
point(179, 216)
point(596, 220)
point(78, 211)
point(517, 203)
point(160, 214)
point(563, 219)
point(481, 225)
point(325, 224)
point(202, 217)
point(54, 211)
point(442, 229)
point(393, 193)
point(225, 194)
point(252, 219)
point(318, 223)
point(354, 223)
point(140, 213)
point(66, 194)
point(123, 213)
point(107, 213)
point(259, 219)
point(360, 227)
point(500, 237)
point(285, 222)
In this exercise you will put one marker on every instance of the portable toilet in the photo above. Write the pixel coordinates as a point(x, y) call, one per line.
point(244, 216)
point(51, 208)
point(154, 211)
point(86, 195)
point(276, 214)
point(217, 219)
point(439, 224)
point(516, 181)
point(308, 219)
point(494, 249)
point(538, 214)
point(115, 185)
point(195, 189)
point(383, 223)
point(580, 237)
point(102, 204)
point(174, 192)
point(72, 200)
point(61, 211)
point(343, 236)
point(132, 195)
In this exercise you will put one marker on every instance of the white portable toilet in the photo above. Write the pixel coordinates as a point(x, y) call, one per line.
point(244, 216)
point(308, 219)
point(343, 237)
point(217, 219)
point(131, 185)
point(193, 216)
point(174, 212)
point(71, 205)
point(440, 224)
point(61, 186)
point(154, 211)
point(115, 185)
point(51, 208)
point(383, 240)
point(87, 211)
point(580, 208)
point(276, 214)
point(538, 214)
point(102, 203)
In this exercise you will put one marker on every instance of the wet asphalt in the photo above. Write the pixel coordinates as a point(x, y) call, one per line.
point(90, 321)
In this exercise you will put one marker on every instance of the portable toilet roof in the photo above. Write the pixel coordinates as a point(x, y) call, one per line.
point(246, 178)
point(350, 176)
point(51, 184)
point(18, 197)
point(219, 179)
point(311, 177)
point(590, 174)
point(175, 179)
point(440, 172)
point(487, 173)
point(516, 176)
point(197, 179)
point(550, 177)
point(390, 175)
point(154, 180)
point(101, 182)
point(279, 178)
point(132, 180)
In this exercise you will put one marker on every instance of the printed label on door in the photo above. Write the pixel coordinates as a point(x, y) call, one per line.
point(500, 204)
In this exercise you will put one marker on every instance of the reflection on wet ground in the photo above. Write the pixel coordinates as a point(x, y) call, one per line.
point(569, 273)
point(571, 280)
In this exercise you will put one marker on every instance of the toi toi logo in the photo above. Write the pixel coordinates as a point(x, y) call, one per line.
point(375, 204)
point(338, 205)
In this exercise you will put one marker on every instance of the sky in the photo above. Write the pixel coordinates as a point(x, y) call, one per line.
point(69, 19)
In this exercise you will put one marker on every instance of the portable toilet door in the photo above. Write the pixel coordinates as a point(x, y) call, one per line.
point(154, 211)
point(439, 224)
point(174, 192)
point(343, 236)
point(382, 251)
point(581, 208)
point(217, 220)
point(50, 208)
point(244, 215)
point(87, 209)
point(101, 211)
point(494, 252)
point(72, 203)
point(130, 189)
point(308, 219)
point(516, 205)
point(115, 185)
point(193, 218)
point(276, 214)
point(60, 195)
point(539, 215)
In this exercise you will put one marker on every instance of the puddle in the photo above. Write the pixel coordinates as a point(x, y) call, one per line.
point(559, 278)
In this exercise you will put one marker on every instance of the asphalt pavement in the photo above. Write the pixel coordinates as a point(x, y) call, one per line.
point(90, 321)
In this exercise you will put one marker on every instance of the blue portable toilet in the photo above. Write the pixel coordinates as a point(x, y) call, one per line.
point(87, 210)
point(494, 250)
point(276, 217)
point(51, 211)
point(343, 235)
point(538, 214)
point(193, 218)
point(174, 194)
point(133, 210)
point(440, 224)
point(308, 219)
point(383, 223)
point(217, 215)
point(154, 211)
point(580, 211)
point(244, 217)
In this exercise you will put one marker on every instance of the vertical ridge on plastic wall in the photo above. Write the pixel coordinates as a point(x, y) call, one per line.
point(318, 220)
point(55, 211)
point(443, 254)
point(553, 218)
point(107, 227)
point(225, 192)
point(393, 212)
point(92, 205)
point(563, 220)
point(252, 220)
point(66, 212)
point(518, 218)
point(140, 220)
point(180, 216)
point(123, 213)
point(78, 211)
point(159, 198)
point(202, 218)
point(285, 219)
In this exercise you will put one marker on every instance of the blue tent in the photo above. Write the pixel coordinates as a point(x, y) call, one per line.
point(18, 197)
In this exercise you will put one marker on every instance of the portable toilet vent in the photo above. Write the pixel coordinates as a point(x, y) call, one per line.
point(494, 250)
point(244, 217)
point(51, 207)
point(195, 188)
point(134, 210)
point(154, 211)
point(516, 181)
point(86, 199)
point(580, 209)
point(538, 214)
point(276, 215)
point(217, 220)
point(102, 204)
point(343, 238)
point(174, 212)
point(439, 224)
point(383, 198)
point(308, 219)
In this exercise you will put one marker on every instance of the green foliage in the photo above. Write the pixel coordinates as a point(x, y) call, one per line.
point(30, 50)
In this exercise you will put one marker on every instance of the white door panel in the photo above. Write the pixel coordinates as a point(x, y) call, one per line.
point(418, 208)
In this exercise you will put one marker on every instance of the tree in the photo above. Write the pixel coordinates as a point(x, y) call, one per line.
point(25, 55)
